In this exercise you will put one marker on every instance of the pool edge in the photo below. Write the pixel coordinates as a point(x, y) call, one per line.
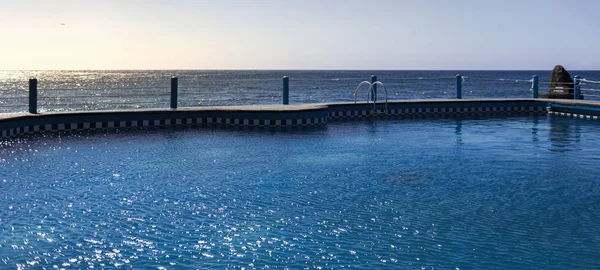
point(285, 116)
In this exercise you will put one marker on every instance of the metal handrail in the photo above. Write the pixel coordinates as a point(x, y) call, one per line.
point(358, 87)
point(375, 94)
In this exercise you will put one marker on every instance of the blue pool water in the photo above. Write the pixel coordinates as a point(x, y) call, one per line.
point(506, 193)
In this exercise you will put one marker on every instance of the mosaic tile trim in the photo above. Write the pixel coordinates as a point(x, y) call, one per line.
point(575, 115)
point(211, 121)
point(435, 111)
point(333, 115)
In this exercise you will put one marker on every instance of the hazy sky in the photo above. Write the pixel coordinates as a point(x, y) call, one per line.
point(299, 34)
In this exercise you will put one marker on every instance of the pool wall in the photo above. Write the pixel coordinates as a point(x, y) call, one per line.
point(575, 109)
point(284, 116)
point(251, 116)
point(436, 108)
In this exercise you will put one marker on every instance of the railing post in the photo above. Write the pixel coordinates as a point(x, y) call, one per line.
point(373, 88)
point(535, 86)
point(577, 88)
point(458, 86)
point(33, 95)
point(174, 92)
point(286, 90)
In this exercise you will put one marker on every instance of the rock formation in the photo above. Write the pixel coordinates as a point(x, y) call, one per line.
point(561, 85)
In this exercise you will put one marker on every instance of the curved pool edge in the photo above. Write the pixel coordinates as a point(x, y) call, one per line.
point(285, 116)
point(581, 109)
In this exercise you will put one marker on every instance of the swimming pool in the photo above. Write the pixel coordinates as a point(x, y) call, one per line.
point(518, 192)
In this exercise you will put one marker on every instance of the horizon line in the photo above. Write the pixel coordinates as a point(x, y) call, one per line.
point(247, 69)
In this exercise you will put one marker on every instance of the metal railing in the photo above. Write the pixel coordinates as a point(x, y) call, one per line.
point(185, 92)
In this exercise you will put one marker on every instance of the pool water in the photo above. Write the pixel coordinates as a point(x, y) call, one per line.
point(499, 193)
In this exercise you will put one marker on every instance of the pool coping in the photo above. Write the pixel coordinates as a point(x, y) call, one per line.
point(288, 116)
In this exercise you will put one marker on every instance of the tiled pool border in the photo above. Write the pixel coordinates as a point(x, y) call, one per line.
point(285, 116)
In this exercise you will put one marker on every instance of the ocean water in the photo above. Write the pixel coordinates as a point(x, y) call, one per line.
point(101, 90)
point(502, 193)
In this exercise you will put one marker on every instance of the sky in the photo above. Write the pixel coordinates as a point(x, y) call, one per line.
point(299, 34)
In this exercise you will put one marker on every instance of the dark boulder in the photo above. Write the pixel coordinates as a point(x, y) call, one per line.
point(560, 81)
point(561, 84)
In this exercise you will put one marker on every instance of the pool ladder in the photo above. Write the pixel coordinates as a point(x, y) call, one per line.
point(372, 87)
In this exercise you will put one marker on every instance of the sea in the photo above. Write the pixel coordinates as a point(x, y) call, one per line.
point(79, 90)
